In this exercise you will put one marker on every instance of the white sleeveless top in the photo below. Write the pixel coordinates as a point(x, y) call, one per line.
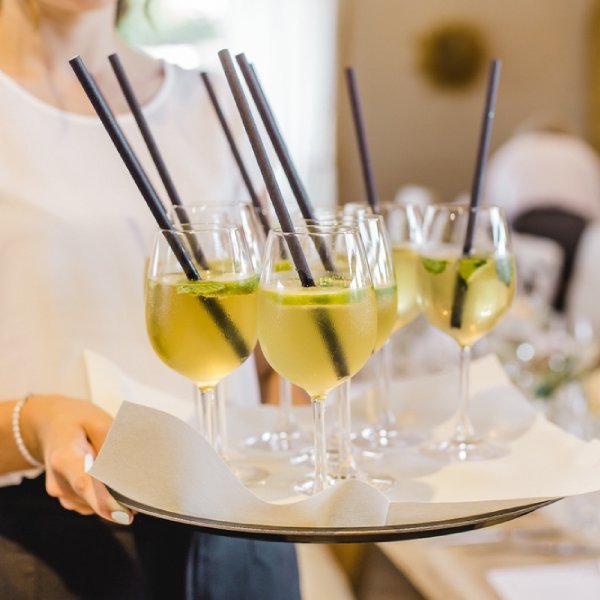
point(75, 231)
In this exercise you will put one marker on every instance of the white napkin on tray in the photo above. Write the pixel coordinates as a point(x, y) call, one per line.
point(158, 460)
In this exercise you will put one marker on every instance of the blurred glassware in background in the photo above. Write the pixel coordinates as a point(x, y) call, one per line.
point(416, 195)
point(403, 225)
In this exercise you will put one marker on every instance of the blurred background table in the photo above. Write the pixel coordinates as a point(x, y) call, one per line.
point(456, 567)
point(554, 361)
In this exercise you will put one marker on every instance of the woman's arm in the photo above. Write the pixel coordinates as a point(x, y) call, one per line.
point(63, 434)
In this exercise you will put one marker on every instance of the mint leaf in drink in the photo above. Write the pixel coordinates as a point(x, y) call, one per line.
point(434, 266)
point(504, 270)
point(200, 288)
point(337, 280)
point(468, 266)
point(244, 286)
point(282, 265)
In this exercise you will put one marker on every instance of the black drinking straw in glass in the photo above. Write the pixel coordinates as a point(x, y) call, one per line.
point(477, 185)
point(235, 152)
point(281, 149)
point(268, 118)
point(140, 119)
point(154, 151)
point(480, 239)
point(154, 203)
point(265, 168)
point(361, 136)
point(287, 226)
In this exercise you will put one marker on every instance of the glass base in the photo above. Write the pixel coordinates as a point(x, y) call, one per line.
point(248, 474)
point(375, 438)
point(377, 480)
point(306, 454)
point(307, 485)
point(463, 450)
point(380, 481)
point(279, 441)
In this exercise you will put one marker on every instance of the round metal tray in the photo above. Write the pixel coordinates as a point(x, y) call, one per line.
point(386, 533)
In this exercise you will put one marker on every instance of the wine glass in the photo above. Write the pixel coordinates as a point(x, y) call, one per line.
point(286, 434)
point(201, 304)
point(467, 283)
point(403, 226)
point(317, 319)
point(373, 234)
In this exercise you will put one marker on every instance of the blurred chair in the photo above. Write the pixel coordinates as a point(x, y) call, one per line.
point(539, 263)
point(563, 227)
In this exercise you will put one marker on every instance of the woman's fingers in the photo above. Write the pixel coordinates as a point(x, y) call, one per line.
point(68, 433)
point(67, 480)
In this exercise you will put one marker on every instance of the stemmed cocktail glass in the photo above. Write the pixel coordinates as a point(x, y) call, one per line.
point(375, 240)
point(403, 226)
point(317, 328)
point(201, 305)
point(467, 283)
point(286, 435)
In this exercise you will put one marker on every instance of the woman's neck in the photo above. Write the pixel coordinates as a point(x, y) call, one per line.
point(35, 52)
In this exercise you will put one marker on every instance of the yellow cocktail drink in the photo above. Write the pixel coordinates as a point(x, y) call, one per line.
point(488, 288)
point(295, 322)
point(185, 335)
point(386, 313)
point(405, 261)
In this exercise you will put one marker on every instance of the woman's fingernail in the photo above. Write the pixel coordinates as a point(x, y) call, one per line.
point(122, 517)
point(88, 461)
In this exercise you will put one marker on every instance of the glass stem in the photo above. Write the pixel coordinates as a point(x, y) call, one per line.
point(199, 410)
point(386, 419)
point(286, 420)
point(463, 431)
point(221, 436)
point(318, 404)
point(346, 464)
point(209, 414)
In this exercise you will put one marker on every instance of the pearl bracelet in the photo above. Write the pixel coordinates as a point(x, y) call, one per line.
point(16, 429)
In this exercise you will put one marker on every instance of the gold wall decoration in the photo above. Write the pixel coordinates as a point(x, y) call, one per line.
point(451, 55)
point(593, 55)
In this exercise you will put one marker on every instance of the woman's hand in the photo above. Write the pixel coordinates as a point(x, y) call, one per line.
point(66, 434)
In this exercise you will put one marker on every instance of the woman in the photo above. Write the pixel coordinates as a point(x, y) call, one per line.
point(73, 239)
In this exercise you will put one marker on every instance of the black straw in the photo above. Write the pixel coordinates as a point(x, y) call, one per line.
point(361, 137)
point(268, 119)
point(461, 286)
point(266, 170)
point(236, 153)
point(140, 119)
point(278, 143)
point(482, 151)
point(154, 203)
point(157, 158)
point(323, 318)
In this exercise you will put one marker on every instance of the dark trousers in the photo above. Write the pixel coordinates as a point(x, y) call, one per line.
point(48, 553)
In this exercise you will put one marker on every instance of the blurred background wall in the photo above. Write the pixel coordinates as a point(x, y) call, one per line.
point(418, 132)
point(427, 135)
